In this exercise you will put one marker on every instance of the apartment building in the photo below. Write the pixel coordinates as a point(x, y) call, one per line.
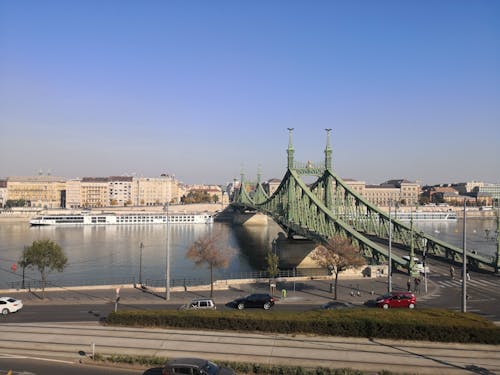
point(121, 190)
point(271, 186)
point(94, 192)
point(38, 191)
point(156, 191)
point(74, 193)
point(402, 192)
point(3, 192)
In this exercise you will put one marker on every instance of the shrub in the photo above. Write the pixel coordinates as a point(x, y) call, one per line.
point(429, 325)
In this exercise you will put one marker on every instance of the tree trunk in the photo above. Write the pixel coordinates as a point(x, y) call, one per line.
point(336, 279)
point(211, 280)
point(44, 277)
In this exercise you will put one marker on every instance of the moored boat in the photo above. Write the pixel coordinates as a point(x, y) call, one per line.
point(122, 219)
point(427, 216)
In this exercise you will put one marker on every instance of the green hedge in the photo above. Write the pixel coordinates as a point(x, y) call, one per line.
point(428, 325)
point(239, 367)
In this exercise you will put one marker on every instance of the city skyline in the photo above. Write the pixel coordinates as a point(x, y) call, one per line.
point(205, 90)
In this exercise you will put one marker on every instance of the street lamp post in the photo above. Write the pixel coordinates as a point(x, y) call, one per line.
point(167, 256)
point(464, 258)
point(389, 269)
point(141, 246)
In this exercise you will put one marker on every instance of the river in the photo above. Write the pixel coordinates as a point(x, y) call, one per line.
point(111, 254)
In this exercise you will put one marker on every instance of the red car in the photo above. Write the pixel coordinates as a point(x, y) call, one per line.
point(397, 299)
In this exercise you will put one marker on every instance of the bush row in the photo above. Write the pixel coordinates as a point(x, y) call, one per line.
point(239, 367)
point(428, 325)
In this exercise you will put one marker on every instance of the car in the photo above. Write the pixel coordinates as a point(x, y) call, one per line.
point(199, 304)
point(418, 264)
point(194, 366)
point(397, 299)
point(337, 305)
point(264, 301)
point(10, 305)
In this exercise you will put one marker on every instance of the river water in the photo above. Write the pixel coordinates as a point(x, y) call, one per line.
point(111, 254)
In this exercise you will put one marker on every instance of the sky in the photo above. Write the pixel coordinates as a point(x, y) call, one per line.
point(205, 90)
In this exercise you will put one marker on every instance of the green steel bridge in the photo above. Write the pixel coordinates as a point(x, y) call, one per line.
point(329, 207)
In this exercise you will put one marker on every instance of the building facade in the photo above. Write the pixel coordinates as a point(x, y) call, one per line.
point(401, 192)
point(94, 192)
point(38, 191)
point(121, 190)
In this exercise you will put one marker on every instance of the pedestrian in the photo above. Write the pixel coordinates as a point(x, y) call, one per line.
point(452, 272)
point(417, 285)
point(408, 284)
point(468, 275)
point(283, 293)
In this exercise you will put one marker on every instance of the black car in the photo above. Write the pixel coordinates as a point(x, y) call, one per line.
point(264, 301)
point(194, 366)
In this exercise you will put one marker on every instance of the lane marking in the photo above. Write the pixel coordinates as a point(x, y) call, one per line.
point(12, 356)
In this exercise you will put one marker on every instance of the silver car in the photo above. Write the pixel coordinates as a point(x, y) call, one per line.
point(199, 304)
point(10, 305)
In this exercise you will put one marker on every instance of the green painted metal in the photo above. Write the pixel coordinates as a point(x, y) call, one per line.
point(260, 195)
point(329, 207)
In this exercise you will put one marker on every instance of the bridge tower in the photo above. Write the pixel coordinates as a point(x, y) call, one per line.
point(328, 167)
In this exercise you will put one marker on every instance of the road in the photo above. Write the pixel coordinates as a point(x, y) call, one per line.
point(39, 329)
point(27, 365)
point(74, 341)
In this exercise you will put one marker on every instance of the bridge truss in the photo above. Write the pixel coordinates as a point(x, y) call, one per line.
point(330, 207)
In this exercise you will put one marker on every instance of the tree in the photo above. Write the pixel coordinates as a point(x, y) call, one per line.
point(337, 255)
point(273, 270)
point(272, 264)
point(46, 256)
point(207, 250)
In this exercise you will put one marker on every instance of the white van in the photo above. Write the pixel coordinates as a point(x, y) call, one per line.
point(419, 265)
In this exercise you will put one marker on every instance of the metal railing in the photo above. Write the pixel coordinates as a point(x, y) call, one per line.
point(176, 282)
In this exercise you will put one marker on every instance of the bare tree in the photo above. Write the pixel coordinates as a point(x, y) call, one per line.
point(337, 255)
point(208, 250)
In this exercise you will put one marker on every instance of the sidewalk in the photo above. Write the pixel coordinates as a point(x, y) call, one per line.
point(300, 291)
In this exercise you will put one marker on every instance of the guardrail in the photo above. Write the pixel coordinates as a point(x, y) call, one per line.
point(176, 282)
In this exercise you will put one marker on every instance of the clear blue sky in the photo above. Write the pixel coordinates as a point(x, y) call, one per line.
point(202, 89)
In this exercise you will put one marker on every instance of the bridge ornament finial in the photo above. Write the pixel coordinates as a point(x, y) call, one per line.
point(328, 151)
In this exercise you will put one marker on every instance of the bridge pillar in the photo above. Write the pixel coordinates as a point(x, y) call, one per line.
point(250, 218)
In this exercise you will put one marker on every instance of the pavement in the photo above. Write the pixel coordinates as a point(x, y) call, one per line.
point(76, 341)
point(288, 291)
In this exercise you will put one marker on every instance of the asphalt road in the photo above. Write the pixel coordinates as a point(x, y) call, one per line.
point(24, 365)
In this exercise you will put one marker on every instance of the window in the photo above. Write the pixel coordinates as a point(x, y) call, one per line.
point(182, 370)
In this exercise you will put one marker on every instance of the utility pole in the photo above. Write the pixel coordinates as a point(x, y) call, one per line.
point(464, 258)
point(389, 269)
point(141, 246)
point(167, 266)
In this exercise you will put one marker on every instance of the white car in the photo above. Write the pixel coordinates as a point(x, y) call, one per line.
point(418, 264)
point(10, 305)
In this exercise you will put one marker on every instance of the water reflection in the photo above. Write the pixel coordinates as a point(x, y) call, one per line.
point(111, 253)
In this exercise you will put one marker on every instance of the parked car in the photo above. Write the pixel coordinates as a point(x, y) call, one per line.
point(199, 304)
point(10, 305)
point(397, 299)
point(337, 305)
point(194, 366)
point(264, 301)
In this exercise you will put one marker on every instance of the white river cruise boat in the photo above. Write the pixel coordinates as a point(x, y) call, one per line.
point(427, 216)
point(122, 219)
